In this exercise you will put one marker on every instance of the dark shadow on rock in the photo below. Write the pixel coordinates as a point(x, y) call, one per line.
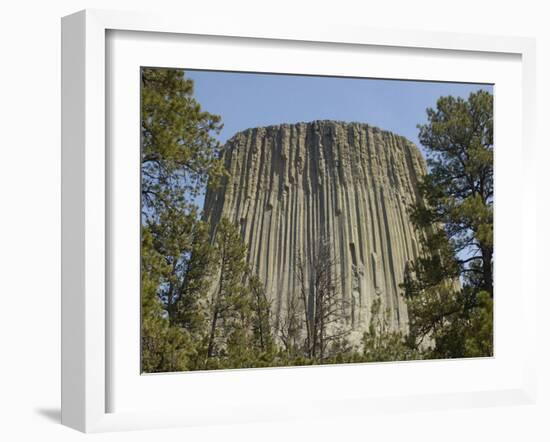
point(51, 414)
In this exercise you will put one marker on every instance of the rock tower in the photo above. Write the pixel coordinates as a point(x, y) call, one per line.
point(346, 184)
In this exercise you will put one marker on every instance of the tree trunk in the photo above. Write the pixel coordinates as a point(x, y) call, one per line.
point(487, 258)
point(212, 334)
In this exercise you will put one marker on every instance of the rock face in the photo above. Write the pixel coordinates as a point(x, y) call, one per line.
point(345, 184)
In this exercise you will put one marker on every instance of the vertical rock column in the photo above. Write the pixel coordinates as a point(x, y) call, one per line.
point(348, 185)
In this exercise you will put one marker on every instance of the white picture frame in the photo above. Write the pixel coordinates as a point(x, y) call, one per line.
point(86, 315)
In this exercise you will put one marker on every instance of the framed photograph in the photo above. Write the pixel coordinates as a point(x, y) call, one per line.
point(262, 222)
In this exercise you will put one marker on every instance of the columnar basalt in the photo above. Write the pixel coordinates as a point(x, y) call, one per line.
point(348, 185)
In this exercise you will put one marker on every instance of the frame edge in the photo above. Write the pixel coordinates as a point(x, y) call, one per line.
point(83, 193)
point(73, 80)
point(83, 164)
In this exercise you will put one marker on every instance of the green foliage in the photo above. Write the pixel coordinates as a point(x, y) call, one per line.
point(163, 348)
point(450, 323)
point(449, 288)
point(178, 152)
point(189, 311)
point(380, 343)
point(479, 333)
point(458, 191)
point(240, 329)
point(229, 308)
point(263, 342)
point(178, 155)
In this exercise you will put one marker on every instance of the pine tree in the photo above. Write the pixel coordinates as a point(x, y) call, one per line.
point(178, 155)
point(261, 318)
point(449, 288)
point(163, 348)
point(459, 187)
point(229, 306)
point(178, 152)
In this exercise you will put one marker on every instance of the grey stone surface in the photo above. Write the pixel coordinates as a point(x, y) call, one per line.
point(348, 184)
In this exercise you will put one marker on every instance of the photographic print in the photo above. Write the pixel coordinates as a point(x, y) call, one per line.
point(294, 220)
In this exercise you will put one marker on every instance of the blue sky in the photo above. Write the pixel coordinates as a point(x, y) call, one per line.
point(247, 100)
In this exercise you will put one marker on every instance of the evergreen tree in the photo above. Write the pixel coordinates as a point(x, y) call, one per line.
point(178, 152)
point(261, 318)
point(178, 155)
point(163, 348)
point(239, 315)
point(449, 288)
point(459, 187)
point(190, 309)
point(229, 306)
